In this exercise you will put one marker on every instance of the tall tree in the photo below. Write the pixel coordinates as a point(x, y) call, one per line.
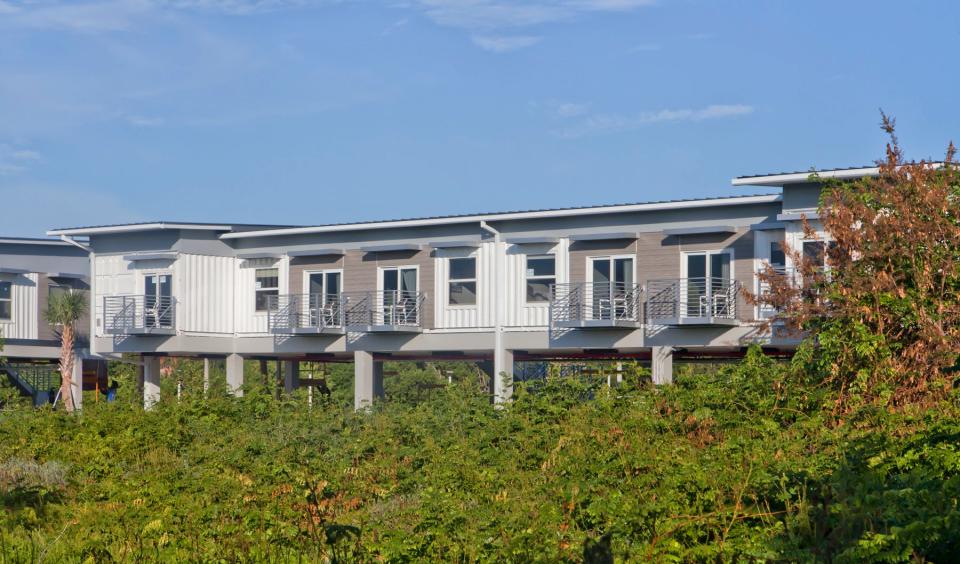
point(882, 320)
point(63, 311)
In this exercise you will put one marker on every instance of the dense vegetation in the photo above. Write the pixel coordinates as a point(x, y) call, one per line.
point(741, 464)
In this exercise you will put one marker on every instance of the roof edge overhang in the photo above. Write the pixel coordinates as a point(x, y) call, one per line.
point(512, 216)
point(801, 177)
point(157, 226)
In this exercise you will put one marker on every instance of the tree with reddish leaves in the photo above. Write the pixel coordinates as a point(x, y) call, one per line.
point(882, 319)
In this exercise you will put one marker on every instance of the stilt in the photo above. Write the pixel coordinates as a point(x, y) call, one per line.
point(661, 363)
point(206, 377)
point(367, 379)
point(503, 375)
point(291, 375)
point(235, 375)
point(151, 381)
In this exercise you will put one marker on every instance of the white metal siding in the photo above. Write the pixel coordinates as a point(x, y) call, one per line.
point(247, 319)
point(519, 313)
point(25, 320)
point(204, 289)
point(114, 277)
point(455, 317)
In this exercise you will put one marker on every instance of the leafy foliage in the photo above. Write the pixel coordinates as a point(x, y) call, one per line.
point(732, 465)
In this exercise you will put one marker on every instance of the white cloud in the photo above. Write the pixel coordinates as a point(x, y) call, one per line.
point(499, 14)
point(14, 160)
point(504, 44)
point(610, 123)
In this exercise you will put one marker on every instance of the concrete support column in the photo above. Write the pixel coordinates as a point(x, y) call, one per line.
point(76, 382)
point(661, 364)
point(151, 381)
point(503, 375)
point(235, 375)
point(291, 375)
point(206, 377)
point(367, 379)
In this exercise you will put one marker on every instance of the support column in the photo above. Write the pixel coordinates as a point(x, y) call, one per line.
point(206, 377)
point(367, 379)
point(151, 381)
point(235, 375)
point(291, 375)
point(661, 364)
point(76, 381)
point(503, 375)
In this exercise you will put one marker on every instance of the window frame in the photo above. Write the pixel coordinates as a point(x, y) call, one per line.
point(9, 301)
point(451, 280)
point(325, 272)
point(258, 291)
point(527, 278)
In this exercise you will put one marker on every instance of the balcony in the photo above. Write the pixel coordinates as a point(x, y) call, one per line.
point(583, 305)
point(305, 314)
point(139, 315)
point(384, 311)
point(692, 301)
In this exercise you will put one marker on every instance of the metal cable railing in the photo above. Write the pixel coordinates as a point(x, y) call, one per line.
point(125, 315)
point(702, 298)
point(594, 301)
point(289, 312)
point(384, 308)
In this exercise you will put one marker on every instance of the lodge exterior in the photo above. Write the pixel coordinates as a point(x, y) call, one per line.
point(649, 281)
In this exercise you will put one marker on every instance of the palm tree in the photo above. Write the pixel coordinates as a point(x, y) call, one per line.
point(64, 309)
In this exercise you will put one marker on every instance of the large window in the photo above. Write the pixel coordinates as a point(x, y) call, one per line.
point(541, 274)
point(267, 283)
point(463, 281)
point(6, 301)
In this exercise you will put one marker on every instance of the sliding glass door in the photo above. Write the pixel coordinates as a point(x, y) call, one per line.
point(399, 298)
point(612, 280)
point(706, 283)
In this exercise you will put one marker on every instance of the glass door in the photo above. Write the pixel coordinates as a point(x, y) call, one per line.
point(323, 298)
point(399, 299)
point(157, 300)
point(612, 280)
point(707, 284)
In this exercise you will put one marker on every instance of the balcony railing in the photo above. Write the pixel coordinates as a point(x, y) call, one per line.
point(390, 310)
point(139, 315)
point(692, 301)
point(298, 314)
point(595, 304)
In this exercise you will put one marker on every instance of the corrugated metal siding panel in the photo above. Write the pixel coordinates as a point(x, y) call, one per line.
point(204, 289)
point(25, 319)
point(480, 315)
point(246, 319)
point(519, 313)
point(114, 277)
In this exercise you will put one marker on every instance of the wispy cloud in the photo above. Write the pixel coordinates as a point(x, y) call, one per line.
point(498, 14)
point(612, 123)
point(504, 43)
point(14, 159)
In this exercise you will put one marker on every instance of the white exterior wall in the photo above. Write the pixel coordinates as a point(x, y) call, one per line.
point(113, 277)
point(519, 313)
point(248, 320)
point(25, 322)
point(204, 287)
point(481, 315)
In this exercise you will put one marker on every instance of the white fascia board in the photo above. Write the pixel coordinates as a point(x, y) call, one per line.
point(52, 242)
point(657, 206)
point(800, 177)
point(108, 229)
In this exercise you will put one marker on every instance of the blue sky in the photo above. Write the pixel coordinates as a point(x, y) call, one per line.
point(307, 112)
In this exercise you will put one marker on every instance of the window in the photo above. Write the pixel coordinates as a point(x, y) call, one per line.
point(267, 283)
point(6, 301)
point(778, 258)
point(463, 281)
point(541, 275)
point(815, 252)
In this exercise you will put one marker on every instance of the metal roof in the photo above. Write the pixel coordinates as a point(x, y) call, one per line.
point(32, 241)
point(162, 225)
point(513, 215)
point(784, 178)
